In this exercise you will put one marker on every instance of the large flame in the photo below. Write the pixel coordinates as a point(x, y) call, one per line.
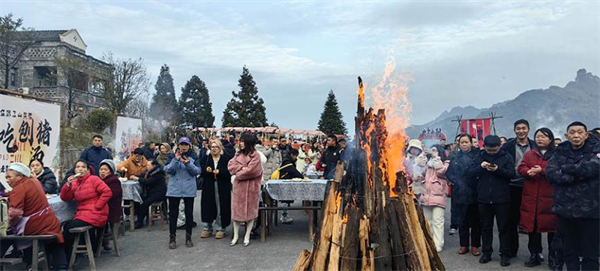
point(391, 94)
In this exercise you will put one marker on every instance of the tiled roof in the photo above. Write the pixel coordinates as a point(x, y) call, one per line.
point(44, 35)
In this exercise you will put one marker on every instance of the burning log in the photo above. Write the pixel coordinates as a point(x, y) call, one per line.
point(370, 219)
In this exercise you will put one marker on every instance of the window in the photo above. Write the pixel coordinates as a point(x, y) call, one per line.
point(13, 77)
point(45, 76)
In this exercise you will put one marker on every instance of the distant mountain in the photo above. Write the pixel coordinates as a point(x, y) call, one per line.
point(554, 108)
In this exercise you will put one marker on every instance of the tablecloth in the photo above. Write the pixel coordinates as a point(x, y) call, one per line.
point(64, 211)
point(313, 190)
point(132, 190)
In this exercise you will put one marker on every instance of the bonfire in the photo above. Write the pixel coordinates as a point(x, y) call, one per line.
point(370, 219)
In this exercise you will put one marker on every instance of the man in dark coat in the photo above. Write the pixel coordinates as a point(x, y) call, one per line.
point(465, 209)
point(330, 157)
point(94, 154)
point(493, 168)
point(574, 171)
point(517, 148)
point(288, 171)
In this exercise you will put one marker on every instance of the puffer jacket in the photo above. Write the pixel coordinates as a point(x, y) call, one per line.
point(493, 187)
point(575, 175)
point(182, 183)
point(92, 196)
point(114, 204)
point(273, 161)
point(464, 189)
point(538, 194)
point(435, 186)
point(48, 180)
point(132, 167)
point(154, 183)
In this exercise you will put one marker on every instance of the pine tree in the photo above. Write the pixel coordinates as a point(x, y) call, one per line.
point(164, 102)
point(331, 121)
point(245, 109)
point(195, 105)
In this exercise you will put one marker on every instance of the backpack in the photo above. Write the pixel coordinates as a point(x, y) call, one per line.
point(276, 174)
point(3, 217)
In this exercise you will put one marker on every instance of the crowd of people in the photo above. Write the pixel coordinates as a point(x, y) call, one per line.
point(535, 186)
point(532, 186)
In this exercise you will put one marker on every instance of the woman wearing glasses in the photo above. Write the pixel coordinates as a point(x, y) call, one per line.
point(215, 206)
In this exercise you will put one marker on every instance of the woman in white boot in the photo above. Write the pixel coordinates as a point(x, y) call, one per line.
point(435, 189)
point(246, 166)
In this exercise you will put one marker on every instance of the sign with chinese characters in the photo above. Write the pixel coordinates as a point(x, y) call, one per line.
point(127, 137)
point(28, 130)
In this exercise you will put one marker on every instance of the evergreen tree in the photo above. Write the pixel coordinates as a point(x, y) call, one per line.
point(331, 119)
point(245, 109)
point(195, 105)
point(164, 102)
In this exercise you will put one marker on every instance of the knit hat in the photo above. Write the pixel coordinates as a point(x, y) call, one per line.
point(21, 168)
point(110, 163)
point(414, 143)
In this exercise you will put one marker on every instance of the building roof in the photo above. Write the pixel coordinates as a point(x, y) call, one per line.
point(43, 35)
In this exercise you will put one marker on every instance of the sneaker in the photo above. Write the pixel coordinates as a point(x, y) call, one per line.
point(485, 258)
point(439, 249)
point(205, 234)
point(452, 231)
point(504, 260)
point(220, 235)
point(534, 260)
point(286, 220)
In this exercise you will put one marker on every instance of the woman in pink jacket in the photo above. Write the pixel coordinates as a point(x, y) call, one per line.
point(433, 198)
point(247, 169)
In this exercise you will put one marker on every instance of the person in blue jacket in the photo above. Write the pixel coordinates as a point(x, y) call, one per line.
point(94, 154)
point(182, 186)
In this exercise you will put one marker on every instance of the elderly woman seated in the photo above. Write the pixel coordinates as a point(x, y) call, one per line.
point(30, 214)
point(92, 196)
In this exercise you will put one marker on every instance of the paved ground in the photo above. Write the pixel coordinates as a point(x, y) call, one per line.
point(143, 250)
point(148, 250)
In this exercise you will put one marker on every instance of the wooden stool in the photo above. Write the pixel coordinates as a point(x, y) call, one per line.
point(156, 214)
point(114, 234)
point(130, 204)
point(38, 254)
point(82, 249)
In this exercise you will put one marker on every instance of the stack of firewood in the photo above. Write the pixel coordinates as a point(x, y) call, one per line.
point(368, 221)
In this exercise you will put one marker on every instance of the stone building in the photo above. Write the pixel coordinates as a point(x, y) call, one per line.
point(42, 72)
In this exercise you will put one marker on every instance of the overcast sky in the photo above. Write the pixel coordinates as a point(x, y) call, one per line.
point(457, 53)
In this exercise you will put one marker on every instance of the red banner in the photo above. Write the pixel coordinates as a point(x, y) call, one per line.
point(477, 128)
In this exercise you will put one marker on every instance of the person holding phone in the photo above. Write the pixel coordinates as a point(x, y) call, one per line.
point(493, 169)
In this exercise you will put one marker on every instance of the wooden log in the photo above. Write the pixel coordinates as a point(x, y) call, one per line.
point(321, 252)
point(334, 253)
point(434, 257)
point(350, 241)
point(368, 255)
point(303, 262)
point(398, 259)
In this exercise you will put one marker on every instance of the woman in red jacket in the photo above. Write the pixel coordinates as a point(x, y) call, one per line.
point(538, 197)
point(92, 196)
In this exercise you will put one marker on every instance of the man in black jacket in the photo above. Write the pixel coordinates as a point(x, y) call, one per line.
point(517, 148)
point(330, 157)
point(95, 153)
point(574, 171)
point(288, 171)
point(493, 169)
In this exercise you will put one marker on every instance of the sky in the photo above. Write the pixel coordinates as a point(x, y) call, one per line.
point(456, 53)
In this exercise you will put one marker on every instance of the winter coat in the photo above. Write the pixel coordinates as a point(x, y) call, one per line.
point(182, 183)
point(511, 148)
point(208, 202)
point(246, 186)
point(329, 161)
point(114, 204)
point(435, 186)
point(48, 181)
point(94, 155)
point(538, 194)
point(190, 153)
point(415, 169)
point(28, 198)
point(289, 172)
point(464, 189)
point(575, 175)
point(273, 161)
point(300, 162)
point(92, 196)
point(493, 187)
point(154, 183)
point(132, 167)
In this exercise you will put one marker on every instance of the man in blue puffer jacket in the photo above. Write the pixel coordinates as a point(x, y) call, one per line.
point(94, 154)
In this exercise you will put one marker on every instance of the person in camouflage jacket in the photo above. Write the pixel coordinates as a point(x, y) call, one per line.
point(574, 171)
